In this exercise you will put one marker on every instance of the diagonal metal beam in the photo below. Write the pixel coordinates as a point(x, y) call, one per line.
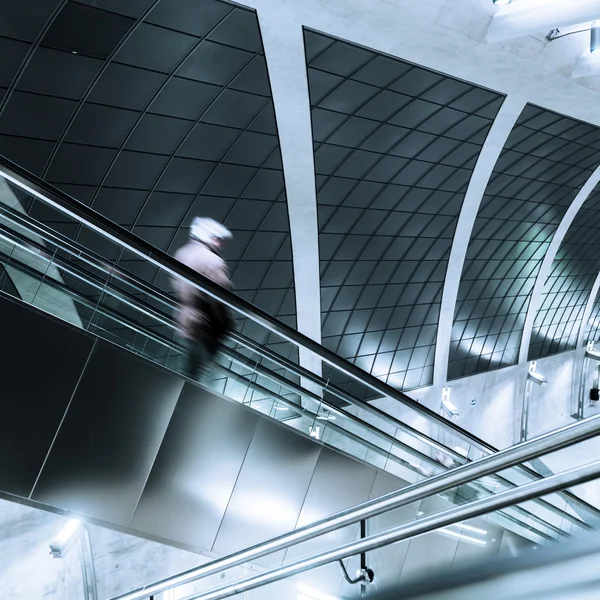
point(587, 312)
point(496, 139)
point(544, 272)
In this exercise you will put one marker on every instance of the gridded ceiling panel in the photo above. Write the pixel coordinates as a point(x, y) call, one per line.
point(543, 165)
point(568, 287)
point(153, 112)
point(395, 146)
point(592, 331)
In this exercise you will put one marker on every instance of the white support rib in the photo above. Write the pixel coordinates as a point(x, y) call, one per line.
point(587, 312)
point(544, 272)
point(496, 139)
point(284, 51)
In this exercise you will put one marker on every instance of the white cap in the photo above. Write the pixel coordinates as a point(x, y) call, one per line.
point(208, 230)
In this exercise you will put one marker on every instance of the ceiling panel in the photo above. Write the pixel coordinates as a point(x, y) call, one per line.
point(394, 152)
point(541, 169)
point(166, 114)
point(567, 289)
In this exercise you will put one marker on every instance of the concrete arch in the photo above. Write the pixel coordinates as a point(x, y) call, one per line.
point(496, 139)
point(544, 272)
point(588, 311)
point(284, 51)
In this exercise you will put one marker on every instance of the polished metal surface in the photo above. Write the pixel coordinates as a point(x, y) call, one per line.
point(554, 441)
point(270, 489)
point(526, 492)
point(103, 453)
point(196, 469)
point(41, 360)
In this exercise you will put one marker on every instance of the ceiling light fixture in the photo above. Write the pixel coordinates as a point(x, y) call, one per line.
point(594, 38)
point(60, 545)
point(501, 2)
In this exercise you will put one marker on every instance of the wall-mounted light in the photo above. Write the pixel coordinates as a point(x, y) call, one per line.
point(534, 376)
point(448, 407)
point(594, 38)
point(61, 544)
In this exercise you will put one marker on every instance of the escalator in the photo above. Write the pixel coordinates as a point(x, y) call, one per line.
point(123, 431)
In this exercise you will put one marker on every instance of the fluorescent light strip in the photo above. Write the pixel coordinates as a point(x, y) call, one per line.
point(69, 529)
point(469, 528)
point(460, 536)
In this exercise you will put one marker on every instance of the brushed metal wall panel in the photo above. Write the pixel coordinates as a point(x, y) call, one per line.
point(339, 482)
point(105, 449)
point(271, 487)
point(196, 468)
point(41, 360)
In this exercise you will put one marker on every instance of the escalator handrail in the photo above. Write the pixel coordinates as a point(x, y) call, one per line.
point(61, 201)
point(97, 262)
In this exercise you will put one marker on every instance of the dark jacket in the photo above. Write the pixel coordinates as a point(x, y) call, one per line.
point(201, 316)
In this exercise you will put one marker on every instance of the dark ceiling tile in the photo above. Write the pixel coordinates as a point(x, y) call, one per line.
point(248, 215)
point(165, 209)
point(126, 87)
point(59, 73)
point(12, 53)
point(131, 8)
point(121, 206)
point(155, 48)
point(382, 71)
point(101, 125)
point(254, 78)
point(265, 122)
point(234, 109)
point(29, 115)
point(75, 163)
point(328, 158)
point(228, 180)
point(357, 164)
point(159, 237)
point(185, 176)
point(414, 143)
point(320, 84)
point(353, 132)
point(184, 98)
point(342, 59)
point(214, 63)
point(348, 97)
point(324, 122)
point(385, 138)
point(447, 91)
point(442, 121)
point(188, 16)
point(135, 170)
point(155, 133)
point(468, 128)
point(414, 114)
point(239, 29)
point(416, 81)
point(251, 149)
point(384, 105)
point(386, 169)
point(31, 154)
point(315, 43)
point(266, 185)
point(474, 100)
point(15, 22)
point(86, 30)
point(208, 142)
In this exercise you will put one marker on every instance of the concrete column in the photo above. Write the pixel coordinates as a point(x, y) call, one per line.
point(496, 139)
point(284, 50)
point(544, 272)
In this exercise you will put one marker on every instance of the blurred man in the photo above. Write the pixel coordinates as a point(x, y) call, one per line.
point(203, 321)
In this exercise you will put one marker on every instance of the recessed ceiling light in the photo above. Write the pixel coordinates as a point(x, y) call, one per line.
point(501, 2)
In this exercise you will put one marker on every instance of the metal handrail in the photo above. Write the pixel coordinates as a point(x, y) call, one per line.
point(549, 442)
point(529, 491)
point(61, 201)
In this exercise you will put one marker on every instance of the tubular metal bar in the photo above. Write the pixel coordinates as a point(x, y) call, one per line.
point(97, 262)
point(478, 508)
point(550, 442)
point(276, 378)
point(54, 197)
